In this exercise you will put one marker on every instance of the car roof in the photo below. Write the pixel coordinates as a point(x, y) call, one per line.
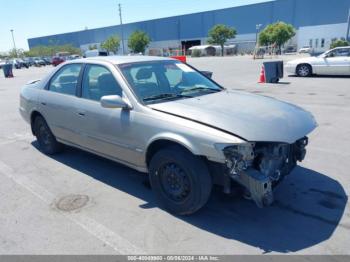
point(342, 47)
point(124, 59)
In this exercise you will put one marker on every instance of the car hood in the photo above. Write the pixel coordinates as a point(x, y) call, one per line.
point(251, 117)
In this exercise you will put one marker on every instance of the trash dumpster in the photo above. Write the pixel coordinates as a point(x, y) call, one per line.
point(273, 71)
point(7, 68)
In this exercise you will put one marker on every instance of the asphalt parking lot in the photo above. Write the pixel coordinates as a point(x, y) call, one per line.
point(77, 203)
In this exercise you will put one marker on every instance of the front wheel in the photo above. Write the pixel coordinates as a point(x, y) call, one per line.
point(304, 70)
point(180, 180)
point(47, 141)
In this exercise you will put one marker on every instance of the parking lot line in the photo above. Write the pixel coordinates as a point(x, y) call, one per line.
point(110, 238)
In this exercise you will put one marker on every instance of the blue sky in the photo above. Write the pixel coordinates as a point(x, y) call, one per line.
point(32, 18)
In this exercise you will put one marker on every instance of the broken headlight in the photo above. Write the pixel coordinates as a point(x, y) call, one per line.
point(238, 157)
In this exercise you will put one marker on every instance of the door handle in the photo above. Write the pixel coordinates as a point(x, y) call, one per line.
point(43, 103)
point(81, 114)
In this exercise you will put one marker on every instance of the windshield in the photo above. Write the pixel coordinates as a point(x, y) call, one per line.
point(159, 81)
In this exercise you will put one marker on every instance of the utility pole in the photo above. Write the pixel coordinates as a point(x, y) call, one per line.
point(14, 43)
point(348, 28)
point(121, 27)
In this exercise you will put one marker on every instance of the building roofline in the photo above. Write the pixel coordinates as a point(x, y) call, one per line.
point(157, 19)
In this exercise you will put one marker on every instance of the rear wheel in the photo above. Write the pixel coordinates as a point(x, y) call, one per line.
point(180, 180)
point(304, 70)
point(47, 141)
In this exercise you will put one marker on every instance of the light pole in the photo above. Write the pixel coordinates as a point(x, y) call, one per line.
point(348, 27)
point(14, 43)
point(258, 26)
point(121, 27)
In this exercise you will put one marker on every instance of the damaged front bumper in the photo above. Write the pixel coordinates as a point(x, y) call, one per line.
point(258, 167)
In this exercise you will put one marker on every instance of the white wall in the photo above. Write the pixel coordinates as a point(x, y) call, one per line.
point(165, 44)
point(302, 38)
point(326, 32)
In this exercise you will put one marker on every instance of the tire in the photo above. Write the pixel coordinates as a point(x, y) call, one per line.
point(304, 70)
point(47, 141)
point(180, 180)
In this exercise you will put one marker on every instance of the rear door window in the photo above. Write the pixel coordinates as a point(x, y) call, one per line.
point(66, 79)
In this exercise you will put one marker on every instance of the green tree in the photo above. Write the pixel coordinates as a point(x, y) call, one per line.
point(92, 47)
point(219, 34)
point(264, 39)
point(111, 44)
point(52, 50)
point(138, 42)
point(278, 33)
point(16, 53)
point(66, 48)
point(339, 43)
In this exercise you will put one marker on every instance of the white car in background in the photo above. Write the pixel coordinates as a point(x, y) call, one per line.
point(305, 50)
point(332, 62)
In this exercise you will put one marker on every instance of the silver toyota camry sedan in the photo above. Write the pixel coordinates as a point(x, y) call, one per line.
point(163, 117)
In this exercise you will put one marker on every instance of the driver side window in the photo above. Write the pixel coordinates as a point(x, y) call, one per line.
point(340, 52)
point(145, 80)
point(98, 81)
point(174, 75)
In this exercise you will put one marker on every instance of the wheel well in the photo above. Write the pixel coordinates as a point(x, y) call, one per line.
point(34, 115)
point(306, 65)
point(155, 146)
point(215, 169)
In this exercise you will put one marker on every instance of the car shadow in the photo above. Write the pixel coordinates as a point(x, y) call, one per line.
point(283, 83)
point(308, 207)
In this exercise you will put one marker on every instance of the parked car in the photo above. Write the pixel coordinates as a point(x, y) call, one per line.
point(57, 60)
point(23, 63)
point(29, 61)
point(73, 57)
point(332, 62)
point(39, 62)
point(290, 49)
point(95, 53)
point(47, 60)
point(15, 63)
point(305, 50)
point(161, 116)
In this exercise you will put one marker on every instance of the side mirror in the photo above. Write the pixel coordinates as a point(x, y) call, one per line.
point(115, 102)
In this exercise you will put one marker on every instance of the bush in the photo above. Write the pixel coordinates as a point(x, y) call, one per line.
point(339, 43)
point(196, 53)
